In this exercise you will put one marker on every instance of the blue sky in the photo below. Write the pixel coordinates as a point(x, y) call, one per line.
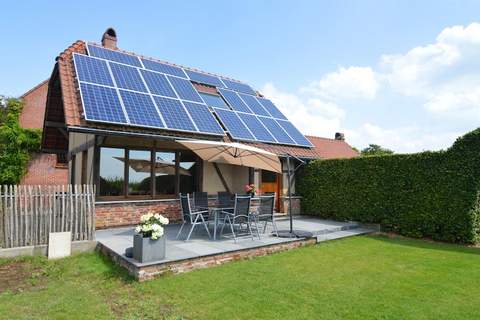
point(399, 73)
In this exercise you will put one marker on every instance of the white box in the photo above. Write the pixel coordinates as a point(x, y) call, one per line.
point(59, 244)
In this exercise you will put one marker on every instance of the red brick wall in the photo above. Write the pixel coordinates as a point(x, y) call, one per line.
point(43, 170)
point(33, 111)
point(128, 213)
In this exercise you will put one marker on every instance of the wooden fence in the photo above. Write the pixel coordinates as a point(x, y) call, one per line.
point(29, 213)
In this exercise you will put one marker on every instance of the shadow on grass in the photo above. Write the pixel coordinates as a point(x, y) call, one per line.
point(114, 270)
point(425, 244)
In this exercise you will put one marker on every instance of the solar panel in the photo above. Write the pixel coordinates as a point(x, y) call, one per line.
point(254, 105)
point(276, 130)
point(233, 124)
point(113, 55)
point(234, 101)
point(157, 83)
point(127, 77)
point(239, 87)
point(271, 108)
point(203, 118)
point(294, 133)
point(204, 78)
point(140, 109)
point(92, 70)
point(101, 104)
point(256, 127)
point(164, 68)
point(185, 89)
point(174, 114)
point(213, 100)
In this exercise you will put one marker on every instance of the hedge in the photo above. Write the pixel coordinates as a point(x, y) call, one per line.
point(428, 194)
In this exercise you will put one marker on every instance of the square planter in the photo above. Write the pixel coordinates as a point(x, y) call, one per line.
point(148, 250)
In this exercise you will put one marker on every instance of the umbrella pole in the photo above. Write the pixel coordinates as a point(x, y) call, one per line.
point(292, 233)
point(289, 185)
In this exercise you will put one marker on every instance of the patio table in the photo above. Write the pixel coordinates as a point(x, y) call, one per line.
point(216, 210)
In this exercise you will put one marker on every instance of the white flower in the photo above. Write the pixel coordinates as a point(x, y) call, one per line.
point(164, 220)
point(138, 229)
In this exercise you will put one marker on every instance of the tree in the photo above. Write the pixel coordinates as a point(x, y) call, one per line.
point(375, 150)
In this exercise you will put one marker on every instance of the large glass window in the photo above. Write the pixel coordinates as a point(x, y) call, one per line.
point(111, 171)
point(165, 173)
point(170, 174)
point(139, 171)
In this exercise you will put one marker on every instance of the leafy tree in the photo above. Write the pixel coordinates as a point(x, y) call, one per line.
point(16, 143)
point(375, 150)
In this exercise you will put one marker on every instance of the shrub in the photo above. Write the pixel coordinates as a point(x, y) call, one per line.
point(16, 144)
point(428, 194)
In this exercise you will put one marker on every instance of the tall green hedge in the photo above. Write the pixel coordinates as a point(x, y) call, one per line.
point(16, 144)
point(428, 194)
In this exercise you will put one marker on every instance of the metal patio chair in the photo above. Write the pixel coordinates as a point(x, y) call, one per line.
point(200, 200)
point(224, 198)
point(239, 216)
point(265, 213)
point(193, 218)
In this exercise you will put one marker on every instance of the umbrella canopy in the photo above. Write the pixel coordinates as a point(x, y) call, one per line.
point(234, 153)
point(161, 167)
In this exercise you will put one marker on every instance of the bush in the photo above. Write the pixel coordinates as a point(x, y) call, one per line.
point(428, 194)
point(16, 144)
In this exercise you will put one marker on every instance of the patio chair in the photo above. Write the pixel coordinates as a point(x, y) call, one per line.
point(239, 216)
point(194, 218)
point(224, 198)
point(200, 200)
point(265, 213)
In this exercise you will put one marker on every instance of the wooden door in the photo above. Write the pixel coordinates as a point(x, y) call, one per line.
point(271, 183)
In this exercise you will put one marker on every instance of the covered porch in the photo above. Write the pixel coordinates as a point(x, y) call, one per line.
point(135, 173)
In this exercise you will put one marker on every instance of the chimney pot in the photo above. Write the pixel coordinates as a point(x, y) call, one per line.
point(339, 136)
point(109, 39)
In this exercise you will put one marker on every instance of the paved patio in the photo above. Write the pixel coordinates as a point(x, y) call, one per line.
point(119, 239)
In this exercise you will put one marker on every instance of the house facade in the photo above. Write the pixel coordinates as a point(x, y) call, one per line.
point(141, 167)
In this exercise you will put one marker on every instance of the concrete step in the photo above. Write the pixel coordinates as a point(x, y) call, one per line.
point(343, 234)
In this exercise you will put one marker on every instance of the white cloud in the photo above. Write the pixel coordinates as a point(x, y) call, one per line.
point(446, 74)
point(345, 83)
point(312, 116)
point(401, 139)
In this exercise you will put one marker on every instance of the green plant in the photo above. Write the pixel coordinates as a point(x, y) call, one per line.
point(428, 194)
point(16, 144)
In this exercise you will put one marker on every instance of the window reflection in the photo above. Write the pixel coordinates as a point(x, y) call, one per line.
point(165, 173)
point(188, 172)
point(111, 171)
point(139, 173)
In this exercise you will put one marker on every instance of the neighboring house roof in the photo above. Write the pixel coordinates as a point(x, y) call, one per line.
point(332, 148)
point(64, 78)
point(33, 110)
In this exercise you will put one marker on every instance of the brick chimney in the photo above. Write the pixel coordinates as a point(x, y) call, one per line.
point(339, 136)
point(109, 39)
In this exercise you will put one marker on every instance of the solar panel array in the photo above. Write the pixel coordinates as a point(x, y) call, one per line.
point(114, 92)
point(123, 88)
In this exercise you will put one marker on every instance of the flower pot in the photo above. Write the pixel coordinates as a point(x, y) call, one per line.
point(148, 250)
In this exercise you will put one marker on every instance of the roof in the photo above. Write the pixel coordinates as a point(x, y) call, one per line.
point(332, 148)
point(73, 113)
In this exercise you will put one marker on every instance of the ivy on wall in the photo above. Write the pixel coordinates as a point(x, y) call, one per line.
point(428, 194)
point(16, 143)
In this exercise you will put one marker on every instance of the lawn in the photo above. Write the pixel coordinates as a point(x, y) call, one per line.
point(357, 278)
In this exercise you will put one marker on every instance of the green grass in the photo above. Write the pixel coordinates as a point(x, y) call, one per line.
point(355, 278)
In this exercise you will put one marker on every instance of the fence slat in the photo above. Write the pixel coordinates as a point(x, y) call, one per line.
point(29, 213)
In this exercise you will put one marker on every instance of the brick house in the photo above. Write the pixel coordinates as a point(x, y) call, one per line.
point(90, 81)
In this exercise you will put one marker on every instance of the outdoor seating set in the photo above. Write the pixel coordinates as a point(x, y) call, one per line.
point(234, 214)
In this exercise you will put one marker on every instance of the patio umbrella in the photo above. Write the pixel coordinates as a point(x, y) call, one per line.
point(234, 153)
point(161, 167)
